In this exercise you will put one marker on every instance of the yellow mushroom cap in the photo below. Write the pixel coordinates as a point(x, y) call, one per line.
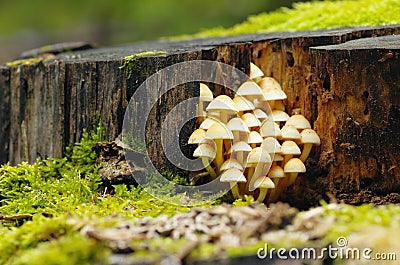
point(222, 103)
point(219, 131)
point(204, 150)
point(278, 115)
point(298, 121)
point(294, 165)
point(255, 138)
point(290, 132)
point(271, 145)
point(250, 120)
point(309, 136)
point(240, 147)
point(290, 148)
point(256, 156)
point(243, 104)
point(206, 124)
point(260, 114)
point(232, 175)
point(205, 93)
point(231, 163)
point(273, 93)
point(264, 182)
point(255, 71)
point(237, 124)
point(267, 82)
point(250, 89)
point(270, 129)
point(276, 172)
point(197, 136)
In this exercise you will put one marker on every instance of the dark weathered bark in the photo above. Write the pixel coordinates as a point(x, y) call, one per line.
point(45, 106)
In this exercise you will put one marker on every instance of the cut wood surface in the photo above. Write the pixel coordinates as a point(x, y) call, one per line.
point(345, 81)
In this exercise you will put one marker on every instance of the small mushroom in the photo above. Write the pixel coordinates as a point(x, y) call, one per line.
point(251, 121)
point(270, 128)
point(276, 173)
point(255, 139)
point(298, 121)
point(271, 145)
point(206, 95)
point(224, 105)
point(197, 136)
point(260, 114)
point(308, 137)
point(289, 132)
point(237, 126)
point(231, 163)
point(239, 150)
point(243, 104)
point(258, 162)
point(218, 132)
point(207, 153)
point(268, 81)
point(255, 72)
point(294, 166)
point(288, 150)
point(233, 176)
point(206, 124)
point(251, 91)
point(279, 116)
point(272, 90)
point(263, 183)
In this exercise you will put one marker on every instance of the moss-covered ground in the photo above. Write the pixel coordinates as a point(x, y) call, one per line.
point(43, 207)
point(314, 15)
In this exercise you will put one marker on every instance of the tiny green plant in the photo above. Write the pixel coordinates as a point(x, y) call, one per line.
point(130, 63)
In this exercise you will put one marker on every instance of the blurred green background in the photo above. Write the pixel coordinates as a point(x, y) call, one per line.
point(28, 24)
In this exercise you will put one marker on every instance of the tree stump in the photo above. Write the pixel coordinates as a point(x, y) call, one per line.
point(344, 81)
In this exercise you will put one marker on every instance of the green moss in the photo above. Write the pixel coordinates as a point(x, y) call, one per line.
point(24, 62)
point(130, 63)
point(313, 16)
point(351, 219)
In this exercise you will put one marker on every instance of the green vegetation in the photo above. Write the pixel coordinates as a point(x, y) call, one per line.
point(44, 206)
point(130, 63)
point(60, 195)
point(315, 15)
point(24, 62)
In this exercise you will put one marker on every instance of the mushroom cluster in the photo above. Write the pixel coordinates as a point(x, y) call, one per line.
point(250, 141)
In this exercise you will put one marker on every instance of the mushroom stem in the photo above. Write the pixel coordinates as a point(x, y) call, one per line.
point(208, 167)
point(273, 191)
point(236, 136)
point(199, 176)
point(271, 104)
point(285, 159)
point(279, 189)
point(219, 157)
point(262, 195)
point(292, 178)
point(306, 152)
point(239, 157)
point(224, 116)
point(250, 174)
point(235, 190)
